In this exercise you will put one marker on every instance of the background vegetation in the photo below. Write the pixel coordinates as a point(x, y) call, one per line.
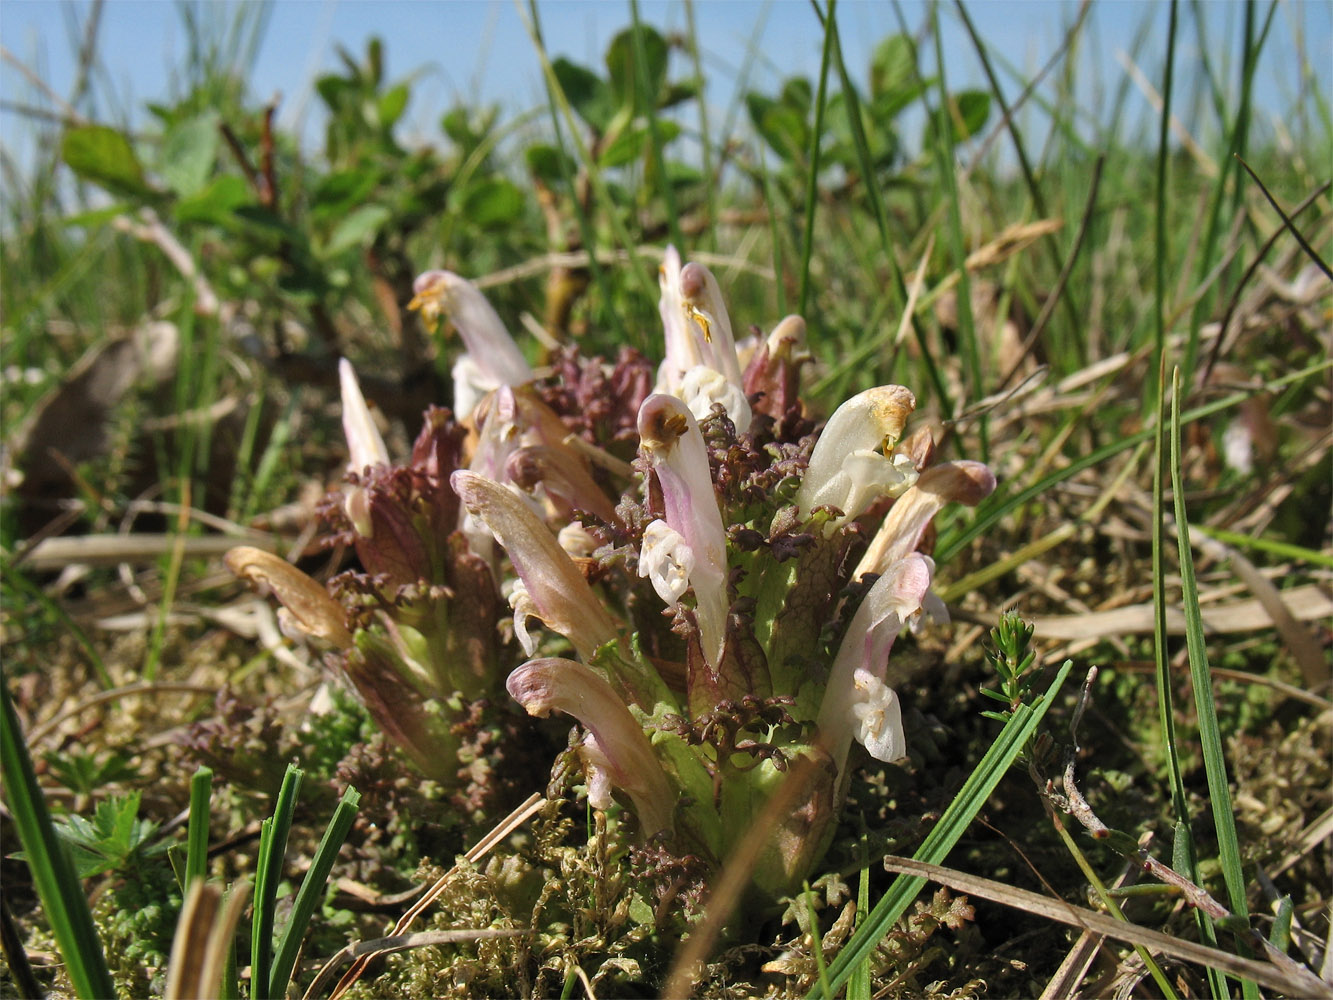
point(174, 303)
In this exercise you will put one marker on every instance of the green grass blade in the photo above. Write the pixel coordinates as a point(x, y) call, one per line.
point(858, 983)
point(994, 510)
point(312, 891)
point(898, 286)
point(1210, 736)
point(1184, 854)
point(649, 100)
point(1160, 254)
point(196, 838)
point(58, 886)
point(1020, 728)
point(944, 161)
point(812, 181)
point(268, 873)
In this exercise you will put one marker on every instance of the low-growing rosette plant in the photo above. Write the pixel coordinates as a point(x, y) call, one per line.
point(737, 612)
point(704, 577)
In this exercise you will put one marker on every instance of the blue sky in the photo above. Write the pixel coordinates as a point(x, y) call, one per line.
point(467, 49)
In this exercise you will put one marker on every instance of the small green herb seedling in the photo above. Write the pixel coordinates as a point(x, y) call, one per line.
point(1011, 655)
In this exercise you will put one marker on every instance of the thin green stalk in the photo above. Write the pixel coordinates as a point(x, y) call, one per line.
point(899, 285)
point(654, 137)
point(1109, 903)
point(1283, 550)
point(311, 892)
point(710, 182)
point(1236, 141)
point(812, 180)
point(976, 790)
point(1159, 239)
point(48, 858)
point(944, 158)
point(557, 99)
point(268, 873)
point(586, 233)
point(196, 837)
point(1210, 736)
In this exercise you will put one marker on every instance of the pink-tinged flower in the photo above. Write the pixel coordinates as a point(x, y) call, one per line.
point(857, 703)
point(701, 365)
point(553, 590)
point(967, 483)
point(692, 544)
point(773, 375)
point(491, 358)
point(365, 446)
point(848, 468)
point(615, 750)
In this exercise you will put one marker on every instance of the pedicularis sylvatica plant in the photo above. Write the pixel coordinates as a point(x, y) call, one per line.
point(704, 576)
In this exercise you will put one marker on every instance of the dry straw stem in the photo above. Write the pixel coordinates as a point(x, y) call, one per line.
point(735, 876)
point(204, 936)
point(1080, 957)
point(1289, 978)
point(364, 952)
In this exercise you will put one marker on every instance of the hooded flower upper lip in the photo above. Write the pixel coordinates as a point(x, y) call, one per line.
point(693, 543)
point(618, 744)
point(848, 469)
point(701, 366)
point(365, 446)
point(553, 589)
point(491, 359)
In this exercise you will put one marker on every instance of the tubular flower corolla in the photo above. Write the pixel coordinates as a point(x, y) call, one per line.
point(950, 482)
point(553, 588)
point(692, 544)
point(616, 748)
point(857, 702)
point(491, 358)
point(848, 468)
point(701, 365)
point(365, 446)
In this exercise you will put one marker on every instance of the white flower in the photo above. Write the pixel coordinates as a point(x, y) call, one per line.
point(365, 446)
point(878, 718)
point(667, 560)
point(669, 436)
point(848, 468)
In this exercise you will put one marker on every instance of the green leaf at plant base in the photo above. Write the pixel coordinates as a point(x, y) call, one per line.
point(189, 151)
point(215, 203)
point(632, 143)
point(100, 154)
point(548, 164)
point(893, 68)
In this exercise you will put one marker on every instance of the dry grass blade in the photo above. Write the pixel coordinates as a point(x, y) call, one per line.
point(735, 876)
point(512, 822)
point(204, 935)
point(1304, 603)
point(400, 942)
point(1076, 964)
point(1293, 980)
point(108, 550)
point(1304, 647)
